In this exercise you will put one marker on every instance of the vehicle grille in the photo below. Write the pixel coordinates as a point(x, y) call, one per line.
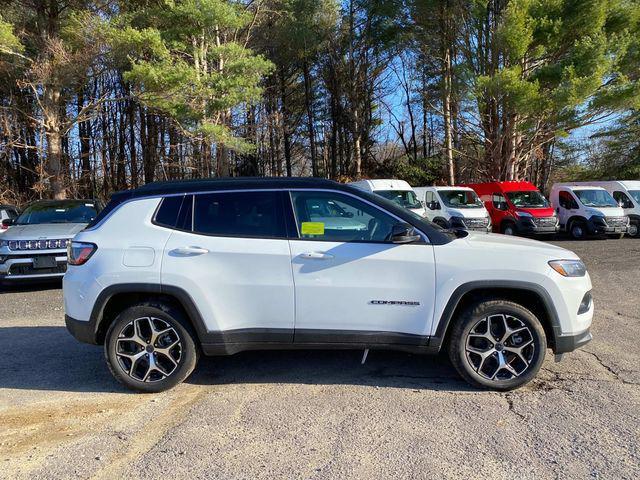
point(616, 221)
point(545, 221)
point(27, 269)
point(476, 222)
point(17, 245)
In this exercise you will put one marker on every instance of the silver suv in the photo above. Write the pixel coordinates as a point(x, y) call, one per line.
point(35, 245)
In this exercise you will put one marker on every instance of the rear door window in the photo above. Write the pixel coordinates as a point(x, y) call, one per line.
point(239, 214)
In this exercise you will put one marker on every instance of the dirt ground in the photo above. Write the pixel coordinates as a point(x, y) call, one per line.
point(321, 414)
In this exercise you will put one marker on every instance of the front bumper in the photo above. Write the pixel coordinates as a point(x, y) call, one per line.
point(21, 267)
point(536, 226)
point(569, 343)
point(601, 226)
point(82, 331)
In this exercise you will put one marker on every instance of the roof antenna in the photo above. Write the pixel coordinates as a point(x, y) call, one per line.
point(364, 356)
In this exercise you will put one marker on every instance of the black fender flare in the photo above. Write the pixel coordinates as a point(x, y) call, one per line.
point(438, 339)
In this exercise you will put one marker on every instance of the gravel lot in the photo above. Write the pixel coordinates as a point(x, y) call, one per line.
point(321, 414)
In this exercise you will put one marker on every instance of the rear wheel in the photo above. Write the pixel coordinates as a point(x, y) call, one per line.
point(497, 344)
point(150, 348)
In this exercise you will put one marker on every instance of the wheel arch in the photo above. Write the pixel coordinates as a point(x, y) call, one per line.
point(114, 299)
point(575, 218)
point(530, 295)
point(441, 219)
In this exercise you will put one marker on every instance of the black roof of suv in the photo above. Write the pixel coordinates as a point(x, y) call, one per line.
point(436, 234)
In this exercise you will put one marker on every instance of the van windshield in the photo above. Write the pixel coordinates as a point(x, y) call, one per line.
point(460, 198)
point(62, 211)
point(528, 199)
point(596, 198)
point(404, 198)
point(635, 194)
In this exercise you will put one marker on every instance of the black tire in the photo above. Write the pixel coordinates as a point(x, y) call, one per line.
point(508, 228)
point(516, 316)
point(578, 230)
point(634, 230)
point(182, 352)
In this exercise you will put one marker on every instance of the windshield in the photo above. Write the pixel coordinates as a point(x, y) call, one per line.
point(635, 194)
point(596, 198)
point(63, 211)
point(528, 199)
point(460, 198)
point(404, 198)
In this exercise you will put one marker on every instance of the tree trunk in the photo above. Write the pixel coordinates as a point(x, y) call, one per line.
point(52, 120)
point(308, 101)
point(446, 114)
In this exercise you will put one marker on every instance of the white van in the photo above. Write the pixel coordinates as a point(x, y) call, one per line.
point(397, 191)
point(627, 194)
point(587, 210)
point(455, 207)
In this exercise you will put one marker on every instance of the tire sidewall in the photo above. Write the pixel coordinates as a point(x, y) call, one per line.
point(582, 227)
point(173, 318)
point(457, 346)
point(509, 226)
point(637, 230)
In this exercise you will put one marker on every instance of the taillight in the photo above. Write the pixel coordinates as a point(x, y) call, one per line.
point(79, 252)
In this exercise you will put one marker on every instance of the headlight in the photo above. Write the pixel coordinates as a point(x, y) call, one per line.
point(569, 268)
point(524, 214)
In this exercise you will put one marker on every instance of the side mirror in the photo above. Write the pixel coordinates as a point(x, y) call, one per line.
point(557, 209)
point(7, 222)
point(403, 233)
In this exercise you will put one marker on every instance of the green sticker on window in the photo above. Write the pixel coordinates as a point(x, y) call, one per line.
point(312, 228)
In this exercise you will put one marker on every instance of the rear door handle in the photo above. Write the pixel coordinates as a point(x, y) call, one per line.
point(317, 255)
point(190, 251)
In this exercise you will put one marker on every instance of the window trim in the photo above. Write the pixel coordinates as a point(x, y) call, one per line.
point(424, 241)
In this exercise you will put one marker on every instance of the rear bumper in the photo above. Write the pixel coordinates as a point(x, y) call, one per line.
point(569, 343)
point(81, 330)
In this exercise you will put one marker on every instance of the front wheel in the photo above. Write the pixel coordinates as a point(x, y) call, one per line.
point(508, 229)
point(497, 344)
point(578, 230)
point(633, 230)
point(150, 348)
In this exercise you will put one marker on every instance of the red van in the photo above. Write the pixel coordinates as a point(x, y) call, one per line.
point(517, 208)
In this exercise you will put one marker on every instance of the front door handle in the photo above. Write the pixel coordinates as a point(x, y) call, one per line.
point(189, 251)
point(317, 255)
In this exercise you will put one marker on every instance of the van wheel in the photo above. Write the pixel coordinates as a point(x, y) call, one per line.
point(578, 230)
point(633, 229)
point(150, 348)
point(441, 223)
point(508, 229)
point(497, 344)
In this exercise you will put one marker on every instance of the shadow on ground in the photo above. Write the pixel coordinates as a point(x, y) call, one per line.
point(49, 358)
point(30, 286)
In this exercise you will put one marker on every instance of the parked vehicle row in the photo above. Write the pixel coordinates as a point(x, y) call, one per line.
point(519, 208)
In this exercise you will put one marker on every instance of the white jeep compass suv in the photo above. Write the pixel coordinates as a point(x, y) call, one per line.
point(172, 270)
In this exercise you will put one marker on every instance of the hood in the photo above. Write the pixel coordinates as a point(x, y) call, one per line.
point(606, 211)
point(538, 212)
point(484, 241)
point(477, 212)
point(42, 231)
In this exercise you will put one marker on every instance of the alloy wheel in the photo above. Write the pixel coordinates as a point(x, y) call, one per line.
point(633, 230)
point(500, 347)
point(148, 349)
